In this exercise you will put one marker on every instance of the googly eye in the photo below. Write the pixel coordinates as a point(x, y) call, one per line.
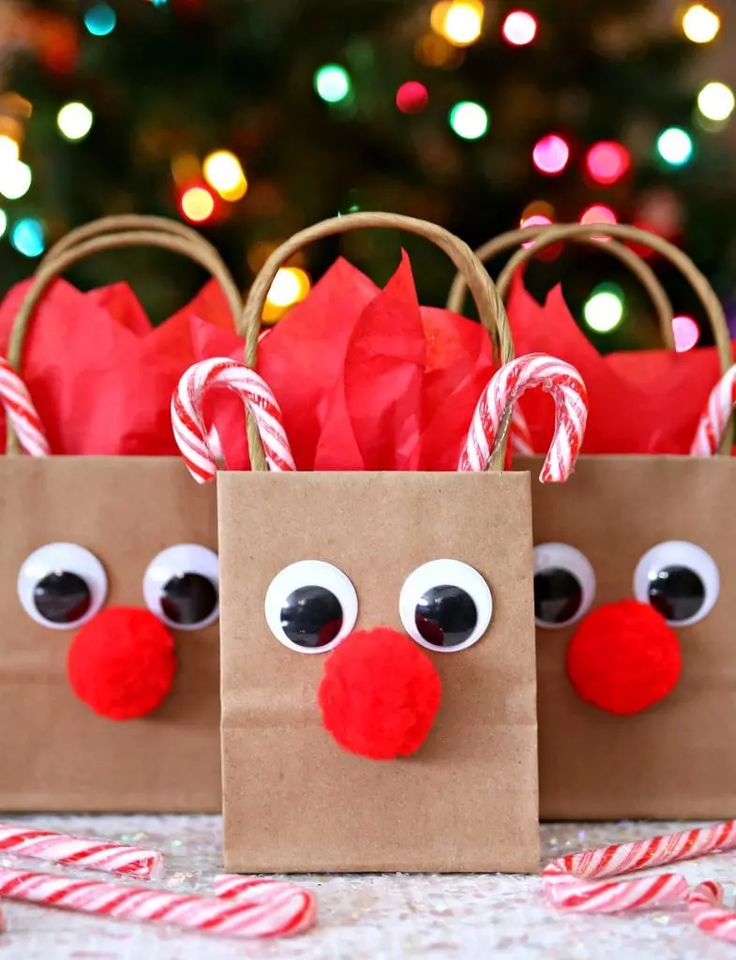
point(445, 605)
point(311, 606)
point(679, 579)
point(181, 586)
point(564, 585)
point(61, 585)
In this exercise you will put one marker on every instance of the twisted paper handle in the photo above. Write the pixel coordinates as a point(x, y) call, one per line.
point(188, 423)
point(497, 401)
point(20, 411)
point(713, 422)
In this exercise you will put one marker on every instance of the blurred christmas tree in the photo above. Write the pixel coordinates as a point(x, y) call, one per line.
point(253, 118)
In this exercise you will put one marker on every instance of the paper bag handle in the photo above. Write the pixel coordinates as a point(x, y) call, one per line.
point(178, 239)
point(491, 310)
point(642, 270)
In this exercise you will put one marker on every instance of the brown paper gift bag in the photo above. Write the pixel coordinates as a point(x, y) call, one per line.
point(304, 553)
point(623, 533)
point(96, 524)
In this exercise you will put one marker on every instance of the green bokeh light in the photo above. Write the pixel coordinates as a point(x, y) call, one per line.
point(332, 83)
point(603, 311)
point(469, 120)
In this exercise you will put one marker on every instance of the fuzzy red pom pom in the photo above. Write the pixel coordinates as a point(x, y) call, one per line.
point(379, 694)
point(121, 663)
point(624, 658)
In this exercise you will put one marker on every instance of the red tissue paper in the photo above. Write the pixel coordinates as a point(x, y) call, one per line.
point(643, 401)
point(366, 378)
point(101, 376)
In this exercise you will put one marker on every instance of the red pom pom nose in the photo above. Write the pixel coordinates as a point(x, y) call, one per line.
point(624, 658)
point(121, 663)
point(379, 694)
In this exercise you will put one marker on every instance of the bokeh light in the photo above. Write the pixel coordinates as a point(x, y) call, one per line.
point(290, 285)
point(197, 204)
point(519, 28)
point(551, 154)
point(100, 20)
point(412, 97)
point(223, 171)
point(700, 24)
point(598, 213)
point(15, 179)
point(607, 161)
point(9, 149)
point(3, 222)
point(332, 83)
point(27, 236)
point(675, 146)
point(716, 101)
point(469, 120)
point(536, 215)
point(74, 120)
point(603, 311)
point(460, 21)
point(686, 332)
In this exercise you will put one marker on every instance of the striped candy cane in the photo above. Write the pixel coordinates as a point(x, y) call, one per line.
point(190, 431)
point(263, 912)
point(506, 386)
point(16, 401)
point(705, 904)
point(85, 853)
point(230, 886)
point(712, 423)
point(520, 436)
point(582, 881)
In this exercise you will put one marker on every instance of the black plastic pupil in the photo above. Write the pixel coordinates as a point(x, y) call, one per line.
point(62, 597)
point(311, 616)
point(188, 599)
point(558, 595)
point(446, 615)
point(676, 592)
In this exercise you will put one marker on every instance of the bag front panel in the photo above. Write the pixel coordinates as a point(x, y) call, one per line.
point(296, 801)
point(57, 754)
point(673, 760)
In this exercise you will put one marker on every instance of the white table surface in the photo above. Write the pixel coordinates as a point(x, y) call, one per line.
point(373, 917)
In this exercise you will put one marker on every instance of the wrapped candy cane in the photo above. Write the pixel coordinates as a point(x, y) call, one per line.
point(87, 854)
point(506, 386)
point(582, 881)
point(187, 420)
point(16, 401)
point(712, 423)
point(705, 904)
point(262, 913)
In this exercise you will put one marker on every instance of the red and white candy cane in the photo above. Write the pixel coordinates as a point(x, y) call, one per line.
point(520, 436)
point(583, 881)
point(506, 386)
point(188, 422)
point(230, 886)
point(16, 401)
point(705, 904)
point(261, 913)
point(712, 423)
point(85, 853)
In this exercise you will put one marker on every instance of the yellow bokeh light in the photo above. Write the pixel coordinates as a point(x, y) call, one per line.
point(197, 204)
point(222, 170)
point(9, 150)
point(185, 168)
point(15, 179)
point(716, 101)
point(700, 24)
point(459, 21)
point(74, 120)
point(290, 285)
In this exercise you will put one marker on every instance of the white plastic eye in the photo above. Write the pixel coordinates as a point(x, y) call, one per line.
point(679, 579)
point(445, 605)
point(564, 585)
point(311, 606)
point(181, 586)
point(62, 585)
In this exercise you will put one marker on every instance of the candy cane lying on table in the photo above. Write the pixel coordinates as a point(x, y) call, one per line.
point(16, 401)
point(705, 904)
point(264, 912)
point(187, 420)
point(712, 423)
point(87, 854)
point(582, 881)
point(229, 886)
point(506, 386)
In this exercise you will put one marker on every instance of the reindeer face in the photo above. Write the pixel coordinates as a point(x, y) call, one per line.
point(110, 642)
point(634, 623)
point(376, 638)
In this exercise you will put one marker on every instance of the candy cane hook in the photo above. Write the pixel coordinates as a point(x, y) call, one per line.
point(16, 401)
point(187, 420)
point(506, 386)
point(714, 420)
